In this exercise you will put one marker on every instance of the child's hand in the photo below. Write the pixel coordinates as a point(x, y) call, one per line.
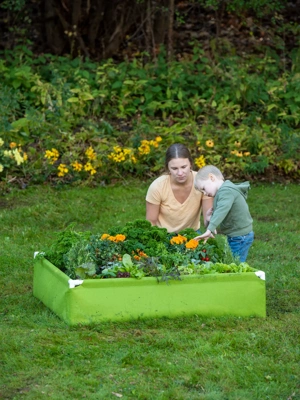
point(205, 236)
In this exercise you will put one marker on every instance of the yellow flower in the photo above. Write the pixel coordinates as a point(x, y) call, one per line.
point(237, 153)
point(158, 139)
point(1, 168)
point(8, 153)
point(144, 148)
point(237, 144)
point(48, 154)
point(77, 166)
point(200, 162)
point(12, 145)
point(191, 244)
point(104, 236)
point(209, 143)
point(120, 154)
point(89, 168)
point(90, 153)
point(62, 170)
point(247, 153)
point(19, 159)
point(52, 155)
point(25, 156)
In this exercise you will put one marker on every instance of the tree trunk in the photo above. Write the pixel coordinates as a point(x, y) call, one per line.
point(148, 35)
point(96, 16)
point(54, 32)
point(170, 30)
point(160, 23)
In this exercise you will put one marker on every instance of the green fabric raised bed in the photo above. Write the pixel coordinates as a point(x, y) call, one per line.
point(96, 300)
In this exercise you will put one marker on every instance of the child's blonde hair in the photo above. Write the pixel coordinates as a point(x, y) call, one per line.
point(202, 174)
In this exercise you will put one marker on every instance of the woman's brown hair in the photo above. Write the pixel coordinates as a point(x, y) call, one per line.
point(177, 150)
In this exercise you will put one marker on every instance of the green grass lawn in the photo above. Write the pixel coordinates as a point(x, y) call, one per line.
point(183, 358)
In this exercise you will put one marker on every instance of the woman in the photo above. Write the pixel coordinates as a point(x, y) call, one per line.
point(172, 202)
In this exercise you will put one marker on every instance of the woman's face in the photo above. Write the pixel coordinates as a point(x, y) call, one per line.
point(179, 169)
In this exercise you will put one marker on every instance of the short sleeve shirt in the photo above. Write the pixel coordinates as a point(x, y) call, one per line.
point(173, 215)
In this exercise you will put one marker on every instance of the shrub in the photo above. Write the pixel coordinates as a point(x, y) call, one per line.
point(80, 121)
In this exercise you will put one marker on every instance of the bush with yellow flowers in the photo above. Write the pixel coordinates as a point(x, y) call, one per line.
point(239, 113)
point(101, 162)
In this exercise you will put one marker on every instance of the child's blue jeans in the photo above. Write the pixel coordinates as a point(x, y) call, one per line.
point(240, 245)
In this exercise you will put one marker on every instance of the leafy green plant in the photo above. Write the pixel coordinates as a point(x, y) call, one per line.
point(63, 244)
point(137, 250)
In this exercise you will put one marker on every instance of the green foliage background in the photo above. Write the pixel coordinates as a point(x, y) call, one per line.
point(240, 113)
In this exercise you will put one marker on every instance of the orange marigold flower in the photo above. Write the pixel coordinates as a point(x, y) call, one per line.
point(120, 238)
point(142, 254)
point(179, 239)
point(104, 236)
point(191, 244)
point(12, 145)
point(111, 238)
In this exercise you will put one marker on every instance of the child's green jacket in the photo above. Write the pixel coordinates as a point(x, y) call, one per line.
point(231, 211)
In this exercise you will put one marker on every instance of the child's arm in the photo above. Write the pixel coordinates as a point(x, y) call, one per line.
point(223, 206)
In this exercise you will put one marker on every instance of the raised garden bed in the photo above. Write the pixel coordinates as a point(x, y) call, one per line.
point(141, 271)
point(97, 300)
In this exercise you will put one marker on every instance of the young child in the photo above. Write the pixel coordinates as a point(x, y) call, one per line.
point(230, 210)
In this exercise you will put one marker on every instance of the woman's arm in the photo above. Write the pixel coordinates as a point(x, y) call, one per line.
point(152, 212)
point(207, 204)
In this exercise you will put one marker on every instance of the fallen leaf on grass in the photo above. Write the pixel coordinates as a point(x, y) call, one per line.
point(117, 394)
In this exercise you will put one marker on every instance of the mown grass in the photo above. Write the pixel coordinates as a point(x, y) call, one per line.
point(183, 358)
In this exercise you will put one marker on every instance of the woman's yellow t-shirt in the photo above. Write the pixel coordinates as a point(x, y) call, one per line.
point(173, 215)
